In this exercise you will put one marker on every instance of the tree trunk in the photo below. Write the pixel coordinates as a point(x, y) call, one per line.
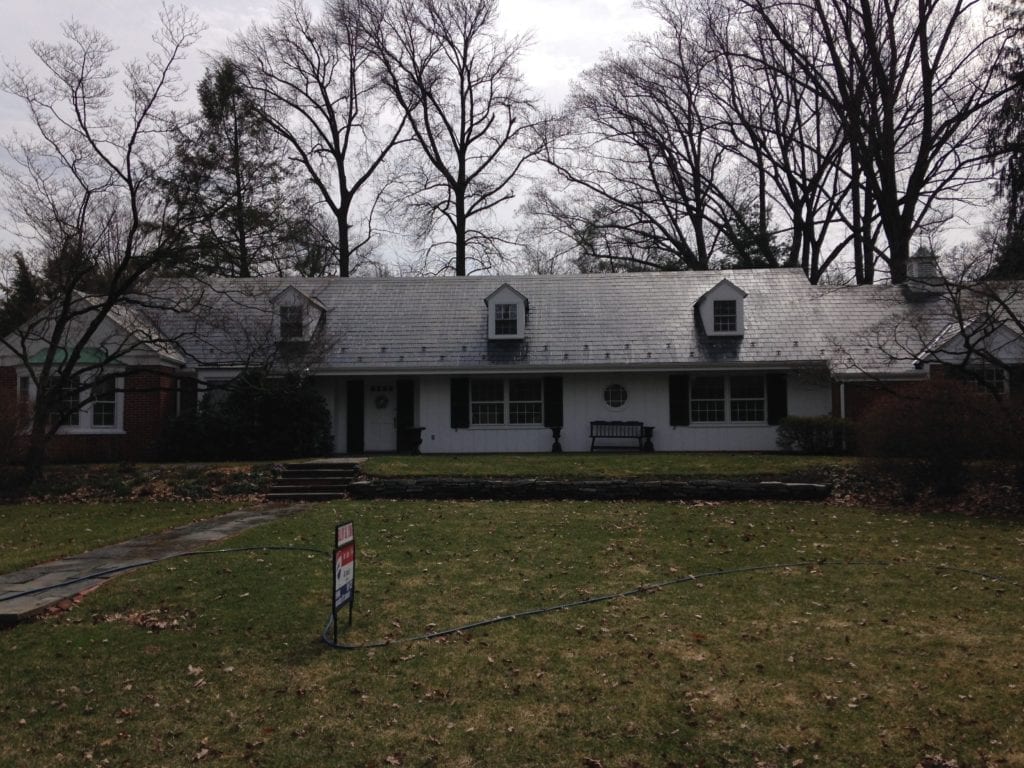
point(35, 456)
point(460, 233)
point(343, 245)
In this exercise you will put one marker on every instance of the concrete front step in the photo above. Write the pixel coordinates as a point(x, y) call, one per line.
point(292, 482)
point(314, 481)
point(311, 477)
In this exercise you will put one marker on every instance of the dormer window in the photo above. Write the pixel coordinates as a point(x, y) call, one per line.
point(506, 321)
point(720, 310)
point(291, 322)
point(506, 314)
point(297, 316)
point(724, 320)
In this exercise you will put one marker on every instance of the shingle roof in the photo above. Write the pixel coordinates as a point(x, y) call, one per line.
point(575, 322)
point(884, 330)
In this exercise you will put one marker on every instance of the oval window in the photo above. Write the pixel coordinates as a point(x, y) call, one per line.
point(615, 395)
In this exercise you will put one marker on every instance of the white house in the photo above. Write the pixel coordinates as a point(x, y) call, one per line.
point(703, 360)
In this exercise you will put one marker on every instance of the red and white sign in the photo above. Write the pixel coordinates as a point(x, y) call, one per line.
point(344, 565)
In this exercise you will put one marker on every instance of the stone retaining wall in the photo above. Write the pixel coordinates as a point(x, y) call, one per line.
point(602, 490)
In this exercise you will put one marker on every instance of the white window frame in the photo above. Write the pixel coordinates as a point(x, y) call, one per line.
point(82, 421)
point(298, 312)
point(498, 304)
point(728, 400)
point(728, 318)
point(110, 400)
point(991, 378)
point(724, 291)
point(507, 404)
point(506, 313)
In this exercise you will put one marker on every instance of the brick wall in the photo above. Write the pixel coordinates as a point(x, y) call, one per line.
point(8, 385)
point(149, 403)
point(861, 395)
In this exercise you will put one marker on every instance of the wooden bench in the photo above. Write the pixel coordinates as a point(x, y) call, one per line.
point(619, 432)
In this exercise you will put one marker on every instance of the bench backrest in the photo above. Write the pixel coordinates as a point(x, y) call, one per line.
point(616, 428)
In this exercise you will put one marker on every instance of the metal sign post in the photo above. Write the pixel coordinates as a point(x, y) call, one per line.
point(344, 572)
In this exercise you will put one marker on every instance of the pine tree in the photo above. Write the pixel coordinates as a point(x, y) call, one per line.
point(1006, 144)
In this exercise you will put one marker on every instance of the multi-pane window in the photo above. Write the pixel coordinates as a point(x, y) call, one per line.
point(615, 395)
point(506, 401)
point(506, 320)
point(727, 398)
point(525, 401)
point(69, 401)
point(291, 321)
point(104, 403)
point(707, 398)
point(993, 379)
point(746, 398)
point(100, 410)
point(487, 401)
point(724, 316)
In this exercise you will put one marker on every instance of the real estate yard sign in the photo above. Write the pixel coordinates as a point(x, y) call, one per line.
point(344, 572)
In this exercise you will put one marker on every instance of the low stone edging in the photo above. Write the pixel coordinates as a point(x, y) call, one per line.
point(602, 490)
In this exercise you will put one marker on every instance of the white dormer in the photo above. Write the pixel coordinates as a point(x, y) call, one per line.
point(296, 315)
point(506, 313)
point(721, 310)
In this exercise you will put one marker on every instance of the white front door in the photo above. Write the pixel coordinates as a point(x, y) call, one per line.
point(381, 415)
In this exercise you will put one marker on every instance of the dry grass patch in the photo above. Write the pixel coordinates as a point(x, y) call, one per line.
point(819, 664)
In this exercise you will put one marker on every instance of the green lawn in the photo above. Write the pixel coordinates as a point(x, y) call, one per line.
point(217, 659)
point(35, 533)
point(604, 465)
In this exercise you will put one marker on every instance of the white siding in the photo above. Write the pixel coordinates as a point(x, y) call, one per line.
point(439, 437)
point(810, 394)
point(583, 402)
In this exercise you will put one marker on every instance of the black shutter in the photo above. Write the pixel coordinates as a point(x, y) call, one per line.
point(775, 389)
point(405, 403)
point(679, 400)
point(354, 416)
point(553, 401)
point(460, 403)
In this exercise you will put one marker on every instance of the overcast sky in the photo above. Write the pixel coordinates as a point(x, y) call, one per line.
point(569, 35)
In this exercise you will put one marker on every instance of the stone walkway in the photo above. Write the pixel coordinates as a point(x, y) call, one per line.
point(46, 582)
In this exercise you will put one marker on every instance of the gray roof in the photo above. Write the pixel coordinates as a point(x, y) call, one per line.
point(636, 320)
point(575, 322)
point(874, 331)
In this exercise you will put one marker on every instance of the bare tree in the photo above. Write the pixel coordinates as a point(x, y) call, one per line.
point(786, 134)
point(911, 83)
point(651, 176)
point(311, 79)
point(85, 192)
point(456, 80)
